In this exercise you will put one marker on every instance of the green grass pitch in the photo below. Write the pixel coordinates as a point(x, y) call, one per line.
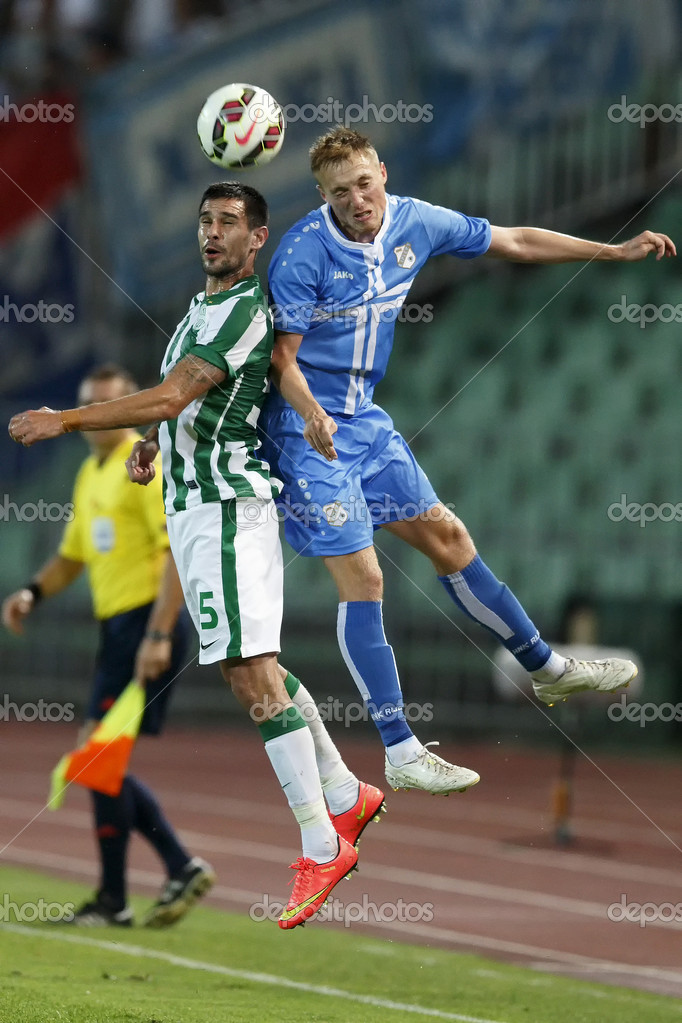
point(217, 967)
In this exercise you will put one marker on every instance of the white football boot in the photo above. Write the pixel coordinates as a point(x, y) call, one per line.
point(583, 676)
point(430, 773)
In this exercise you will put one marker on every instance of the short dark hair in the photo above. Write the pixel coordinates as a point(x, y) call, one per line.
point(111, 371)
point(255, 205)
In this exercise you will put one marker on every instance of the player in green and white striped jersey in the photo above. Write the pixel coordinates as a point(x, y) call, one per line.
point(224, 532)
point(210, 444)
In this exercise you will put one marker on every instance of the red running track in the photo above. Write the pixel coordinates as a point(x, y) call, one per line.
point(477, 872)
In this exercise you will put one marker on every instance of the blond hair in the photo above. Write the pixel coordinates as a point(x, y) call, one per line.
point(336, 146)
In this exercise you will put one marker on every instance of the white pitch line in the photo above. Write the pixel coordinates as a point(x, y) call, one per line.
point(541, 957)
point(255, 978)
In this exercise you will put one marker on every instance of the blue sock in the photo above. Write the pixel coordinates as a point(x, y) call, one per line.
point(149, 820)
point(370, 660)
point(490, 603)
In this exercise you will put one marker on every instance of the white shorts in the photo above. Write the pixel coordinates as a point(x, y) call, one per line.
point(229, 560)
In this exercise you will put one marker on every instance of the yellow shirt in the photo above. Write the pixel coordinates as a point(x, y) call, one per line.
point(118, 531)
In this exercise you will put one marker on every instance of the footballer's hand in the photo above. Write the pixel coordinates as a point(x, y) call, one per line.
point(15, 609)
point(153, 658)
point(140, 462)
point(319, 430)
point(646, 242)
point(35, 424)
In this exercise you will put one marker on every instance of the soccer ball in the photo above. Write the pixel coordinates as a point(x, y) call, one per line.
point(240, 126)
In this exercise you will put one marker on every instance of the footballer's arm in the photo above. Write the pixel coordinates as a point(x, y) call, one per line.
point(189, 379)
point(293, 386)
point(535, 245)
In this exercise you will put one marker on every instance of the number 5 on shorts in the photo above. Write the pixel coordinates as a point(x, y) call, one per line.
point(204, 609)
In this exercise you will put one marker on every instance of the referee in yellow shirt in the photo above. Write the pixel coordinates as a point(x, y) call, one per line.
point(118, 532)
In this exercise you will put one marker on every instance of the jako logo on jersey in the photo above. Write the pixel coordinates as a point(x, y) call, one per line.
point(335, 513)
point(405, 255)
point(338, 274)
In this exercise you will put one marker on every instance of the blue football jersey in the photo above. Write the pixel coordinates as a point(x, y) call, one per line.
point(344, 296)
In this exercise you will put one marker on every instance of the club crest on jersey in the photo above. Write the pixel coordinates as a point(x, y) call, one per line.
point(405, 255)
point(335, 513)
point(202, 319)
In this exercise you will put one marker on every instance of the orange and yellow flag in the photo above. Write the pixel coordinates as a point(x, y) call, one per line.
point(102, 761)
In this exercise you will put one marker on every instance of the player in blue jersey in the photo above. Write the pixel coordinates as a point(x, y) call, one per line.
point(338, 280)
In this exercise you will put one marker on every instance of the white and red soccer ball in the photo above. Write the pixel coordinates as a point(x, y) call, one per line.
point(240, 126)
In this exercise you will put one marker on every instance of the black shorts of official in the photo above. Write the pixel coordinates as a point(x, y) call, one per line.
point(120, 637)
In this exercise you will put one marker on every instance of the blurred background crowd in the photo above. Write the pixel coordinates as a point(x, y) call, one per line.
point(47, 44)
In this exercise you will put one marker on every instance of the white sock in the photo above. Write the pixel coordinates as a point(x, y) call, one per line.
point(315, 835)
point(552, 669)
point(404, 752)
point(339, 784)
point(293, 759)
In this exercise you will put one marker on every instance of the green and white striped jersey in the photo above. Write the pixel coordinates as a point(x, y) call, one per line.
point(208, 451)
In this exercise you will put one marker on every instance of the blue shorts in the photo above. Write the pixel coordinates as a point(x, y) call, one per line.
point(120, 636)
point(332, 508)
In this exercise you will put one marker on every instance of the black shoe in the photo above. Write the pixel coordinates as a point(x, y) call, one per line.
point(180, 893)
point(99, 913)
